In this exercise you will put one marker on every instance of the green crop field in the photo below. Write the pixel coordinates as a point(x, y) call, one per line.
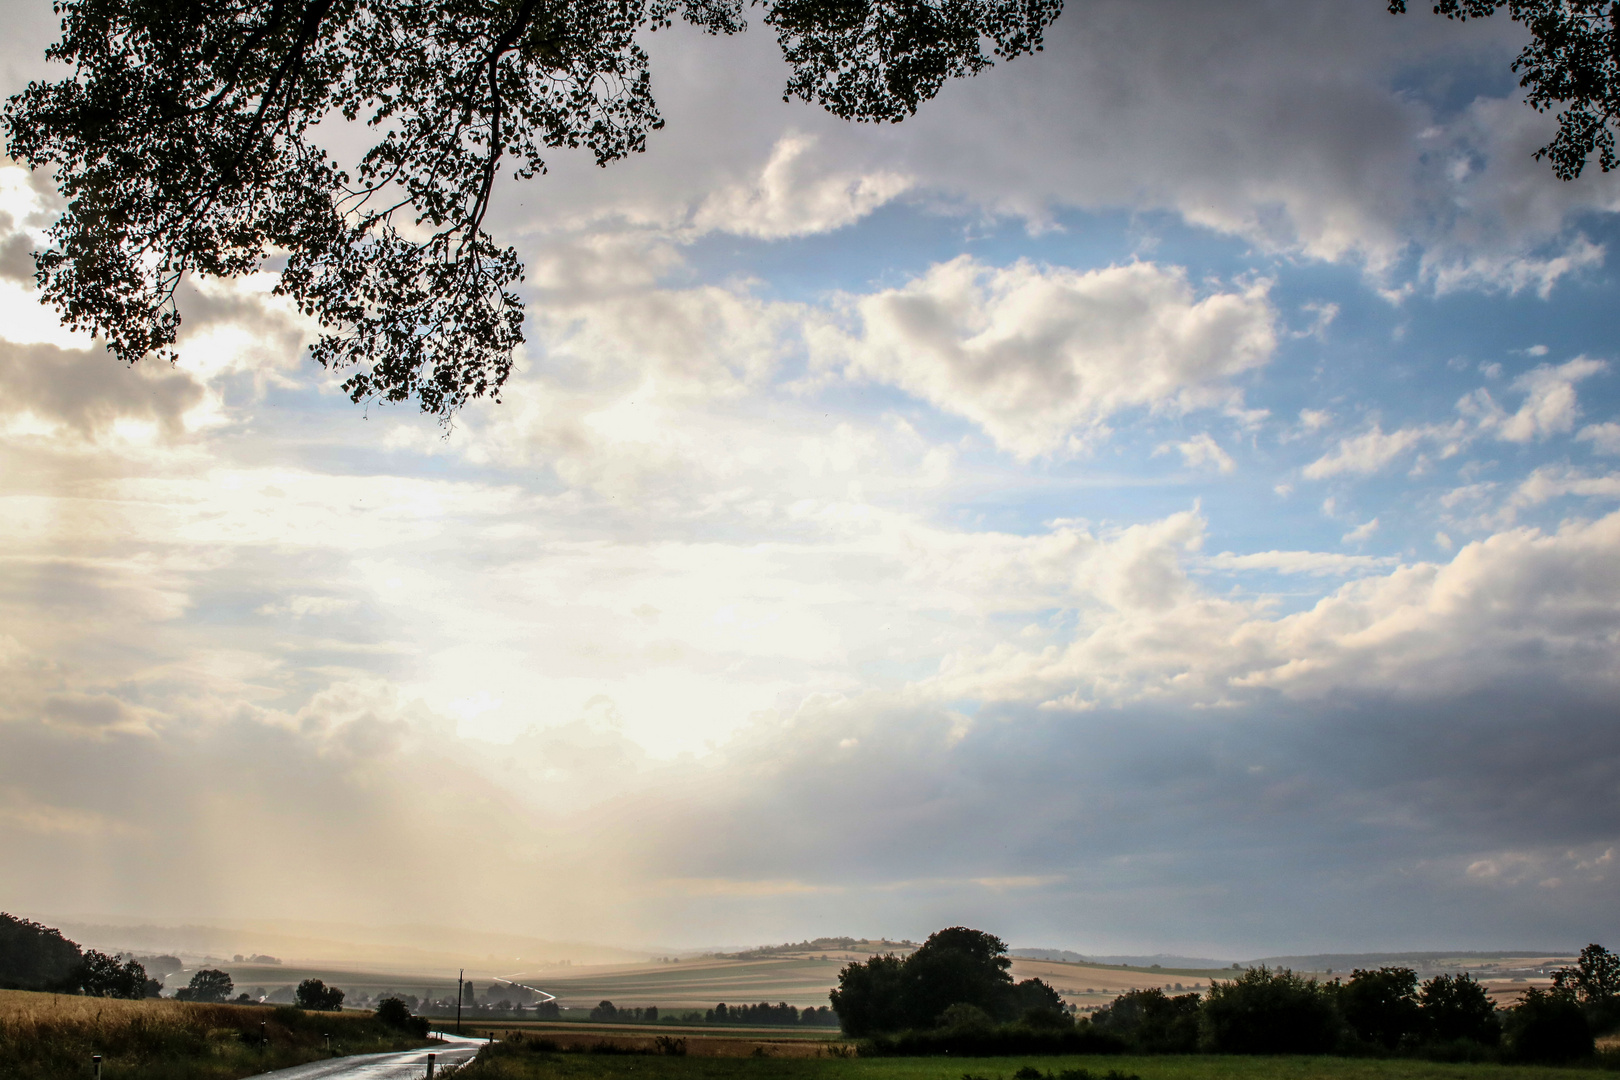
point(511, 1062)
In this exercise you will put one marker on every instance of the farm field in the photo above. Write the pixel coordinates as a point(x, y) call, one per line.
point(804, 979)
point(800, 979)
point(693, 984)
point(513, 1062)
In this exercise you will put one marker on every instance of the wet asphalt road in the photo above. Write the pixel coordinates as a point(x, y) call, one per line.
point(397, 1065)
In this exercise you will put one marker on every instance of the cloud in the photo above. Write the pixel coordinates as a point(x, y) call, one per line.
point(1422, 629)
point(1373, 450)
point(1550, 482)
point(1315, 563)
point(1550, 406)
point(1605, 438)
point(91, 394)
point(794, 195)
point(1361, 533)
point(1200, 450)
point(1041, 357)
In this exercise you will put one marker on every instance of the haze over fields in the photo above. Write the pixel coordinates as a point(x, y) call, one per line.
point(1159, 499)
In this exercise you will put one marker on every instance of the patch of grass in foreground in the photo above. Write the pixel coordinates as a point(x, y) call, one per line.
point(513, 1062)
point(51, 1037)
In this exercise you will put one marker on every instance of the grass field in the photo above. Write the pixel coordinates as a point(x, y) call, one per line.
point(512, 1061)
point(705, 1040)
point(49, 1036)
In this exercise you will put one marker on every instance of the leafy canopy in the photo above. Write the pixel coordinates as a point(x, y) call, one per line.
point(1573, 61)
point(189, 140)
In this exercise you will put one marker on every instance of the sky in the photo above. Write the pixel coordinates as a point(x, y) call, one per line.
point(1159, 498)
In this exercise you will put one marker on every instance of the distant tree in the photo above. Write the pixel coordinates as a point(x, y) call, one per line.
point(1152, 1021)
point(821, 1016)
point(1595, 982)
point(1547, 1026)
point(34, 956)
point(208, 985)
point(650, 1014)
point(316, 995)
point(1268, 1012)
point(547, 1010)
point(1457, 1007)
point(101, 975)
point(1381, 1006)
point(605, 1011)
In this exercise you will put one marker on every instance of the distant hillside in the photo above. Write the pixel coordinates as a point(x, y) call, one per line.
point(1164, 960)
point(820, 945)
point(1455, 960)
point(381, 947)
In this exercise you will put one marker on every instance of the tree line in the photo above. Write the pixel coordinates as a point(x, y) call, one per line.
point(955, 995)
point(779, 1015)
point(34, 956)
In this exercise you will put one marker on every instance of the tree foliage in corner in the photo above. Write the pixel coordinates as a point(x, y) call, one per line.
point(1571, 64)
point(185, 142)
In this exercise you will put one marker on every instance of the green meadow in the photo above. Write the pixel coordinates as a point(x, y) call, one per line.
point(513, 1062)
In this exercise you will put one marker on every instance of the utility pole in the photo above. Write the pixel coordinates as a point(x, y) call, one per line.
point(459, 978)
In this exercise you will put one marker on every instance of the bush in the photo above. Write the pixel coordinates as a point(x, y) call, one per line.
point(394, 1013)
point(1005, 1041)
point(1268, 1012)
point(965, 1017)
point(1456, 1008)
point(1595, 983)
point(1548, 1027)
point(1153, 1022)
point(1381, 1006)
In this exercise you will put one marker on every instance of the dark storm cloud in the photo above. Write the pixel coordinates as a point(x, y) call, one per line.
point(88, 391)
point(1209, 825)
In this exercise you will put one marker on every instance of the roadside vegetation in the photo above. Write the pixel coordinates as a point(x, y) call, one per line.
point(52, 1037)
point(60, 1005)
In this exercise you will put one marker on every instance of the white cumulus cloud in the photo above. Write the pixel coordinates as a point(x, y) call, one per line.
point(1041, 357)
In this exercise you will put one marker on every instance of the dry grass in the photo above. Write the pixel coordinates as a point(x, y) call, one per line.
point(45, 1036)
point(579, 1040)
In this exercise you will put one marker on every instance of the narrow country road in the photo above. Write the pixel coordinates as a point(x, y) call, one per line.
point(397, 1065)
